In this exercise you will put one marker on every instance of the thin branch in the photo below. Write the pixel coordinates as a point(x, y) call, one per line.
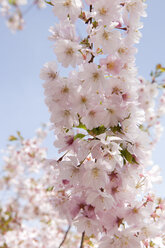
point(91, 46)
point(92, 58)
point(90, 8)
point(83, 160)
point(88, 20)
point(91, 21)
point(82, 240)
point(61, 158)
point(65, 236)
point(124, 28)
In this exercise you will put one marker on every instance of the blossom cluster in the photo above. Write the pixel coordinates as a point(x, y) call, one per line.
point(101, 113)
point(14, 10)
point(27, 219)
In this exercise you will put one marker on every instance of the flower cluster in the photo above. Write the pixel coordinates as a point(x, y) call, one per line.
point(13, 11)
point(101, 113)
point(27, 219)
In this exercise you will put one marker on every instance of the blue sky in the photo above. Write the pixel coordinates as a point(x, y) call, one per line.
point(23, 54)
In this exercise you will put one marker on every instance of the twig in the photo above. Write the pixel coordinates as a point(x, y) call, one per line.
point(65, 236)
point(91, 46)
point(92, 58)
point(61, 158)
point(124, 28)
point(90, 8)
point(82, 240)
point(88, 20)
point(83, 160)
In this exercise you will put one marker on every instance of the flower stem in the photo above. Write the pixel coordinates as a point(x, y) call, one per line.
point(82, 240)
point(65, 236)
point(61, 158)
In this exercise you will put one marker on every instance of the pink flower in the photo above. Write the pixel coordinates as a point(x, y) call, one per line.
point(64, 8)
point(111, 64)
point(95, 175)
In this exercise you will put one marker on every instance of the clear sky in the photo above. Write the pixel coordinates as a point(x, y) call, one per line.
point(23, 54)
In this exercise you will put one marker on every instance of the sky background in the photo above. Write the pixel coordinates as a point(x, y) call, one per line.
point(23, 54)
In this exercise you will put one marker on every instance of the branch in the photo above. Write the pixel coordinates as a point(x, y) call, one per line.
point(82, 240)
point(65, 236)
point(61, 158)
point(90, 8)
point(124, 28)
point(91, 46)
point(92, 58)
point(88, 20)
point(83, 160)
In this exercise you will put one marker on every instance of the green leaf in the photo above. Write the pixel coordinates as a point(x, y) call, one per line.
point(128, 156)
point(162, 69)
point(85, 42)
point(81, 126)
point(142, 128)
point(12, 2)
point(95, 24)
point(79, 136)
point(48, 2)
point(134, 161)
point(12, 138)
point(97, 130)
point(19, 135)
point(4, 246)
point(152, 244)
point(90, 243)
point(49, 189)
point(117, 129)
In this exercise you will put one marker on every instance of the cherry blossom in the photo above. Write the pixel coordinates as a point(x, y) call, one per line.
point(106, 122)
point(14, 10)
point(101, 183)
